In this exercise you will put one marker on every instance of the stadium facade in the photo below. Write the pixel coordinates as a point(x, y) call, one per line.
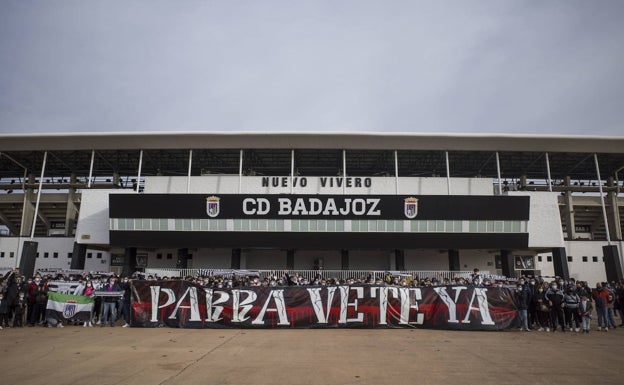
point(507, 204)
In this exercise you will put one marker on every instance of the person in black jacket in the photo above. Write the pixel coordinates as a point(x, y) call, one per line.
point(4, 311)
point(110, 302)
point(41, 298)
point(12, 289)
point(523, 298)
point(555, 298)
point(124, 305)
point(20, 310)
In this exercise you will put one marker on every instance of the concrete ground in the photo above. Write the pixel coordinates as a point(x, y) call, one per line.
point(75, 355)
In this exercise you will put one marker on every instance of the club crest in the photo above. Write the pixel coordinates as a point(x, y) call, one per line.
point(69, 310)
point(411, 207)
point(212, 206)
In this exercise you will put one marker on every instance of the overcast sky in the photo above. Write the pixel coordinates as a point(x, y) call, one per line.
point(553, 67)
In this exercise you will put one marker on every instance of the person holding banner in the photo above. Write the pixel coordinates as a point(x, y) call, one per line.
point(110, 302)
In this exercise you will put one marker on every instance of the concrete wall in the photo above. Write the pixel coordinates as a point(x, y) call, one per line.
point(585, 271)
point(544, 225)
point(93, 221)
point(60, 245)
point(211, 258)
point(263, 259)
point(426, 260)
point(229, 184)
point(480, 259)
point(304, 259)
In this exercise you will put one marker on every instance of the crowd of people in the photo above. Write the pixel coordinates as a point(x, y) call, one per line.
point(543, 304)
point(23, 301)
point(568, 305)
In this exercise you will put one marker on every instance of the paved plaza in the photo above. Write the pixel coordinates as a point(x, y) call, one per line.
point(75, 355)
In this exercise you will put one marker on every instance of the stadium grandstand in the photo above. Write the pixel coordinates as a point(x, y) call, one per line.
point(505, 204)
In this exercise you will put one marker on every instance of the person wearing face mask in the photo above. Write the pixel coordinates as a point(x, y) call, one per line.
point(572, 315)
point(522, 302)
point(585, 311)
point(109, 309)
point(543, 310)
point(601, 300)
point(30, 296)
point(532, 287)
point(124, 305)
point(20, 310)
point(555, 298)
point(41, 298)
point(88, 291)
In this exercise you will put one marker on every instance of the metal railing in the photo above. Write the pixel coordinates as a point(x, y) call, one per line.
point(309, 274)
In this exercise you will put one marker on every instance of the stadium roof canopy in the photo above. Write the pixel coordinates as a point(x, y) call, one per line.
point(316, 154)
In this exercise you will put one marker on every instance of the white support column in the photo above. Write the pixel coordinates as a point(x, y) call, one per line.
point(139, 172)
point(91, 169)
point(548, 173)
point(34, 221)
point(240, 172)
point(292, 170)
point(498, 173)
point(188, 176)
point(448, 174)
point(602, 202)
point(396, 172)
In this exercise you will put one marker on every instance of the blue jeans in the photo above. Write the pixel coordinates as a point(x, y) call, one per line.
point(109, 309)
point(124, 310)
point(610, 319)
point(524, 319)
point(603, 316)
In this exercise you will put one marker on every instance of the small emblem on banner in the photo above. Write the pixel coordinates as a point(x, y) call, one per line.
point(212, 206)
point(69, 309)
point(411, 207)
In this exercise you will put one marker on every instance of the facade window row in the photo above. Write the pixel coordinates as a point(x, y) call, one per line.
point(317, 225)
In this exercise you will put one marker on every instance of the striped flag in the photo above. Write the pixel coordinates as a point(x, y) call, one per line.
point(65, 307)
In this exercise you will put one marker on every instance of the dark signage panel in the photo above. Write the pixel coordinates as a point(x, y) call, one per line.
point(251, 206)
point(318, 240)
point(117, 259)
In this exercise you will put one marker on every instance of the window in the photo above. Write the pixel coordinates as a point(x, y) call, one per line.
point(594, 259)
point(159, 256)
point(169, 256)
point(12, 254)
point(55, 255)
point(89, 255)
point(584, 258)
point(569, 258)
point(549, 258)
point(37, 256)
point(2, 254)
point(190, 256)
point(46, 254)
point(69, 255)
point(99, 255)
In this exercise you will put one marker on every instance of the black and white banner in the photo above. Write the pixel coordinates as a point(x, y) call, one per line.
point(233, 206)
point(185, 305)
